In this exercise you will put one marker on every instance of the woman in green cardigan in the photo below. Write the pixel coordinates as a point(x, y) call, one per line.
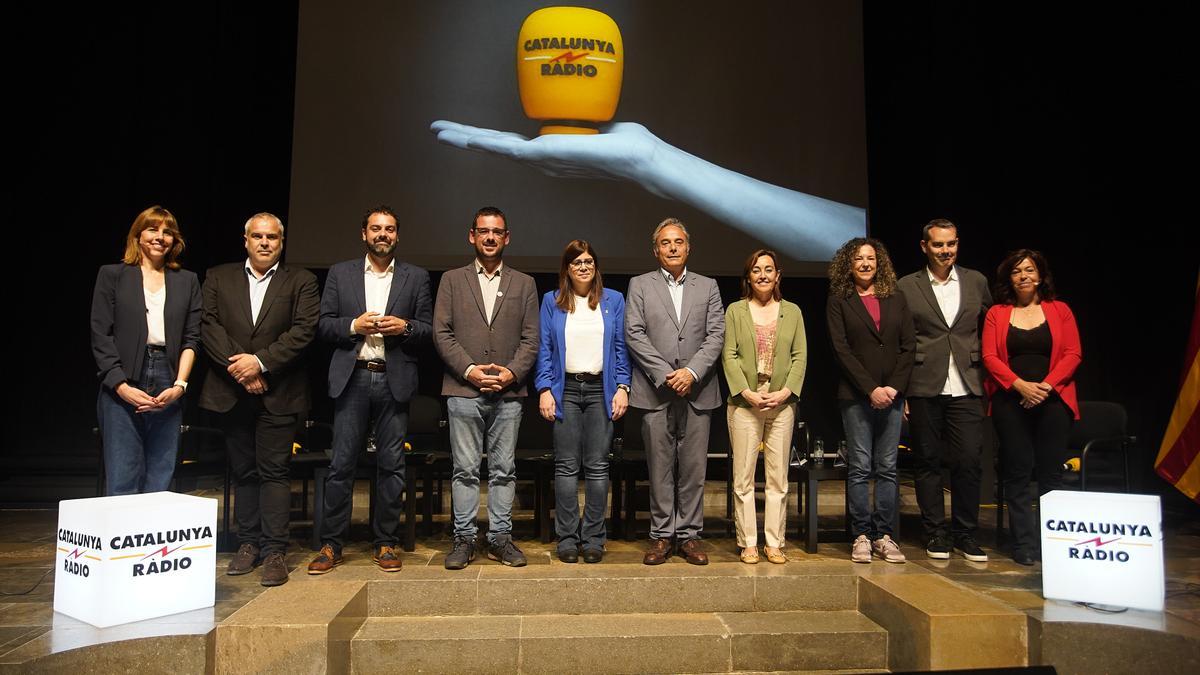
point(764, 358)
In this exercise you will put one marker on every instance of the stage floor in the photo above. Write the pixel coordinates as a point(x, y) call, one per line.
point(30, 630)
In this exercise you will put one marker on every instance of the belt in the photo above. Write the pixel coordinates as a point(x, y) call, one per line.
point(584, 377)
point(373, 366)
point(156, 348)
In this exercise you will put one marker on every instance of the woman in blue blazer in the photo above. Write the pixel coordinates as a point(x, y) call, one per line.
point(145, 332)
point(583, 384)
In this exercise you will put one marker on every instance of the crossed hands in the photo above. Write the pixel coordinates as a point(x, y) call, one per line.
point(244, 368)
point(883, 397)
point(1032, 393)
point(681, 381)
point(143, 402)
point(374, 323)
point(766, 401)
point(490, 378)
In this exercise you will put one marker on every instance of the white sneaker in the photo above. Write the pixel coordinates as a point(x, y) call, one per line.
point(887, 550)
point(860, 552)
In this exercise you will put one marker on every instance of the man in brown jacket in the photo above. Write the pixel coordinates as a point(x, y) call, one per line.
point(485, 328)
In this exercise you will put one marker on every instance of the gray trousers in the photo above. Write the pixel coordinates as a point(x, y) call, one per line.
point(676, 442)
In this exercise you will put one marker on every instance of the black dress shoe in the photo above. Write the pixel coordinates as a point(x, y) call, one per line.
point(569, 555)
point(1023, 558)
point(593, 555)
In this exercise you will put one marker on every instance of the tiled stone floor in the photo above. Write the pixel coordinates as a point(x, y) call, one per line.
point(29, 628)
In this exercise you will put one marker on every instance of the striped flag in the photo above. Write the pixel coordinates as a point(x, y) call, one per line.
point(1179, 457)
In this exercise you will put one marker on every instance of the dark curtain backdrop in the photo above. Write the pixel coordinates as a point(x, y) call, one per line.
point(1055, 128)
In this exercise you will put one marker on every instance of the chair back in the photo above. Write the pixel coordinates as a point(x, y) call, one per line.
point(1097, 419)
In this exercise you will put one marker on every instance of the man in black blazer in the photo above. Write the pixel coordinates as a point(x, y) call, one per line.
point(377, 312)
point(259, 317)
point(945, 392)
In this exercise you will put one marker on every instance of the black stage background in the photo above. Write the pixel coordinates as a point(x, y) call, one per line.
point(1049, 127)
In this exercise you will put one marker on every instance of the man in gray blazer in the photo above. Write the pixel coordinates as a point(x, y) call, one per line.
point(485, 328)
point(945, 394)
point(674, 329)
point(376, 311)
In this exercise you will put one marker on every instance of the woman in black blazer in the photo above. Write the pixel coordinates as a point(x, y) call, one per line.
point(873, 339)
point(145, 332)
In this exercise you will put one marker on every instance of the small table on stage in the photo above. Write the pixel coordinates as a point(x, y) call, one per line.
point(810, 476)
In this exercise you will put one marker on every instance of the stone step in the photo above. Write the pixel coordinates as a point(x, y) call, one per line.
point(613, 589)
point(705, 642)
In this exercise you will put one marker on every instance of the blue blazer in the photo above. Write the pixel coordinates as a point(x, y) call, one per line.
point(345, 298)
point(552, 354)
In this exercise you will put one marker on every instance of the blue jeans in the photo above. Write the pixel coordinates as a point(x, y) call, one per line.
point(140, 448)
point(366, 397)
point(582, 437)
point(872, 437)
point(489, 424)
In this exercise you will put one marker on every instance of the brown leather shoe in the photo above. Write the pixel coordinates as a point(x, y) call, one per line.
point(325, 561)
point(388, 559)
point(660, 550)
point(692, 552)
point(244, 561)
point(274, 570)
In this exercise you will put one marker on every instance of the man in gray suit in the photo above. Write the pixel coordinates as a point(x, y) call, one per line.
point(485, 327)
point(674, 329)
point(945, 394)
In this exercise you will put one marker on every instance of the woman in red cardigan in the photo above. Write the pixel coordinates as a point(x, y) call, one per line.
point(1031, 350)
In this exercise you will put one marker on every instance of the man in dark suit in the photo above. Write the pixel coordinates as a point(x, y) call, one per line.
point(675, 329)
point(259, 317)
point(485, 328)
point(372, 376)
point(945, 392)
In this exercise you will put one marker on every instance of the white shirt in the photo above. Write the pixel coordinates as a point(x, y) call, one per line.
point(489, 286)
point(675, 288)
point(949, 298)
point(258, 291)
point(156, 332)
point(585, 338)
point(378, 285)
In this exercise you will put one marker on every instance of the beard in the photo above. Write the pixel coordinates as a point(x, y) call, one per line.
point(382, 249)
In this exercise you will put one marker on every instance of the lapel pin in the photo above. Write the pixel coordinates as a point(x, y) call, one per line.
point(499, 294)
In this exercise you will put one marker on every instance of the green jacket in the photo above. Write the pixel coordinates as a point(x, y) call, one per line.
point(740, 360)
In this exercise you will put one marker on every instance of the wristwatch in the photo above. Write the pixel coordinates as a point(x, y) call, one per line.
point(182, 384)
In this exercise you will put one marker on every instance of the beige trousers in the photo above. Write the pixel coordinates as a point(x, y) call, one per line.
point(749, 427)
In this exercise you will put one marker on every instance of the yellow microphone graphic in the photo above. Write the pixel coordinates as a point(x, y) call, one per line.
point(569, 66)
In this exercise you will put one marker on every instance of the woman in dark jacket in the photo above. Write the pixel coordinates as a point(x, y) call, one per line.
point(873, 338)
point(145, 332)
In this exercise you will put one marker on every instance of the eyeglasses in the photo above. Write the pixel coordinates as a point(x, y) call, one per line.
point(580, 264)
point(490, 230)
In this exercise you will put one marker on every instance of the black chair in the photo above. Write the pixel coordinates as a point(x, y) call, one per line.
point(535, 461)
point(1101, 427)
point(427, 462)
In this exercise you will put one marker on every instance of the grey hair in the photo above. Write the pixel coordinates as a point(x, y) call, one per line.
point(265, 216)
point(665, 224)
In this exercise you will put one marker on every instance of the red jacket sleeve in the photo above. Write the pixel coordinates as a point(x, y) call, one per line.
point(1072, 352)
point(995, 362)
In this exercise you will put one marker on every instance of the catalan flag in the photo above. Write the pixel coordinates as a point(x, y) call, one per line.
point(1179, 457)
